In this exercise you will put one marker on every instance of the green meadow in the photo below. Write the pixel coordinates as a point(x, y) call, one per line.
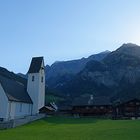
point(60, 128)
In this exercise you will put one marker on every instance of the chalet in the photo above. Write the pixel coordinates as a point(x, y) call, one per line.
point(49, 109)
point(92, 106)
point(126, 108)
point(17, 99)
point(64, 107)
point(102, 106)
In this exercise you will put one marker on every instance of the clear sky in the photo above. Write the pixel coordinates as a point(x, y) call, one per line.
point(64, 29)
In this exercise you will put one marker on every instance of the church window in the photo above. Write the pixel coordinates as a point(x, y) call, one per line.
point(42, 69)
point(29, 108)
point(42, 79)
point(33, 78)
point(20, 108)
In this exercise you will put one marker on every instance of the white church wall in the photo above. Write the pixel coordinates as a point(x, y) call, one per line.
point(42, 87)
point(19, 109)
point(3, 104)
point(11, 110)
point(23, 109)
point(36, 89)
point(33, 89)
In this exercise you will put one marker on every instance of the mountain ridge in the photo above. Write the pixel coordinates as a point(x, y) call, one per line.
point(118, 74)
point(64, 70)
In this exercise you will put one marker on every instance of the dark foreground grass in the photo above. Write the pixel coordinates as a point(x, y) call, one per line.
point(75, 129)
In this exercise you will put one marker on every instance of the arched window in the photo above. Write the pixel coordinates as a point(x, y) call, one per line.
point(20, 108)
point(42, 79)
point(33, 78)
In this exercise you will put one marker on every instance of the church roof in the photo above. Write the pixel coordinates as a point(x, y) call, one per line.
point(35, 64)
point(15, 90)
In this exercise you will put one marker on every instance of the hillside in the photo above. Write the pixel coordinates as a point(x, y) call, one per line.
point(4, 72)
point(61, 72)
point(117, 75)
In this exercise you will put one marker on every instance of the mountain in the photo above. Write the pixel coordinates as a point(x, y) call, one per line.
point(22, 75)
point(4, 72)
point(61, 72)
point(116, 76)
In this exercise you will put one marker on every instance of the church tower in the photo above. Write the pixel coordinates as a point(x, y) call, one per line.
point(36, 83)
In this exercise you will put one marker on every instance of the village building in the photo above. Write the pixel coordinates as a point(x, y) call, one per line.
point(92, 106)
point(17, 99)
point(126, 108)
point(49, 109)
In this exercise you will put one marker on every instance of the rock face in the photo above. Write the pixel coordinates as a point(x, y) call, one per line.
point(61, 72)
point(117, 75)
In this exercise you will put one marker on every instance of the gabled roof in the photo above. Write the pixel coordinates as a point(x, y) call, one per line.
point(86, 101)
point(35, 64)
point(125, 100)
point(15, 91)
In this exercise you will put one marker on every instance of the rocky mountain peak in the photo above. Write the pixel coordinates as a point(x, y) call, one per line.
point(129, 49)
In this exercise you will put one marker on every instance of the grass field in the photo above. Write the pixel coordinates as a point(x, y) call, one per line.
point(75, 129)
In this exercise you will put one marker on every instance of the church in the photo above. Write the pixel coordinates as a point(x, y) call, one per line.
point(17, 99)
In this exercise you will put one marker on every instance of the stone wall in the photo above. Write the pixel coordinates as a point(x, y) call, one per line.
point(21, 121)
point(7, 124)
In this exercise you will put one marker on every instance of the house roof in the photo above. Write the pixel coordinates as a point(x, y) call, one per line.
point(15, 90)
point(125, 100)
point(35, 64)
point(48, 108)
point(87, 101)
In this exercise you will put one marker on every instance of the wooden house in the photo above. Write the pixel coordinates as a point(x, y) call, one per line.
point(126, 108)
point(49, 109)
point(92, 106)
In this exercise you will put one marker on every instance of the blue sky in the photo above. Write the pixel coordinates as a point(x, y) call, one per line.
point(64, 29)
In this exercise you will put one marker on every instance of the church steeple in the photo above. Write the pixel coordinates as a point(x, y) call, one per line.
point(36, 83)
